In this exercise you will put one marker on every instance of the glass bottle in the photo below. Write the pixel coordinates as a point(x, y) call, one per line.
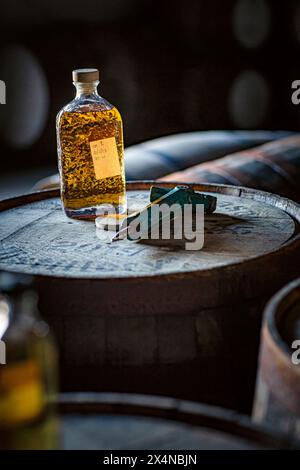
point(28, 373)
point(90, 152)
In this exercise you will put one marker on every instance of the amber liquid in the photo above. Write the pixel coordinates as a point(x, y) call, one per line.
point(28, 385)
point(81, 192)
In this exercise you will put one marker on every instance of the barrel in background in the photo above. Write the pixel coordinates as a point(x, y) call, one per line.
point(277, 400)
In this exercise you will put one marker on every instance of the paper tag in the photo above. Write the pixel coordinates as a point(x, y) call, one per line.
point(105, 158)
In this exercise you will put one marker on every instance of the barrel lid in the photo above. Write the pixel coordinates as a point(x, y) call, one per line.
point(37, 238)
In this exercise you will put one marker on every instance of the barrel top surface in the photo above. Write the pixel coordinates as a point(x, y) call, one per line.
point(37, 238)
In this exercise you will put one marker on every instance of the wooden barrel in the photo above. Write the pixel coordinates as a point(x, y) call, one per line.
point(277, 398)
point(272, 167)
point(95, 421)
point(147, 319)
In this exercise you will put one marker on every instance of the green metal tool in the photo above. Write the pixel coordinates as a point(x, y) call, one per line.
point(185, 195)
point(180, 195)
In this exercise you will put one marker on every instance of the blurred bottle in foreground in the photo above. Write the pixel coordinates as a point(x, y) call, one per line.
point(28, 370)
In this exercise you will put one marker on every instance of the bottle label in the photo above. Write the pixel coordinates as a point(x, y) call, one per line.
point(21, 393)
point(105, 158)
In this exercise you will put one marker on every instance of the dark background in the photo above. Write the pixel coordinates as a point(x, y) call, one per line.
point(169, 66)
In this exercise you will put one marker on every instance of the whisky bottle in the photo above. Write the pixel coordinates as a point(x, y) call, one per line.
point(90, 152)
point(28, 373)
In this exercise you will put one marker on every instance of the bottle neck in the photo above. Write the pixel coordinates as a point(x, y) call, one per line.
point(86, 90)
point(5, 314)
point(24, 304)
point(17, 308)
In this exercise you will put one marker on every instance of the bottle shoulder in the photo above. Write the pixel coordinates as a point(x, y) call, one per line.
point(87, 113)
point(86, 105)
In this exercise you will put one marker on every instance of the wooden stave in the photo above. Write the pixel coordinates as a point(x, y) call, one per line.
point(194, 282)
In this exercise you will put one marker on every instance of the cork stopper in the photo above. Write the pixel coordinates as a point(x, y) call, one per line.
point(85, 75)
